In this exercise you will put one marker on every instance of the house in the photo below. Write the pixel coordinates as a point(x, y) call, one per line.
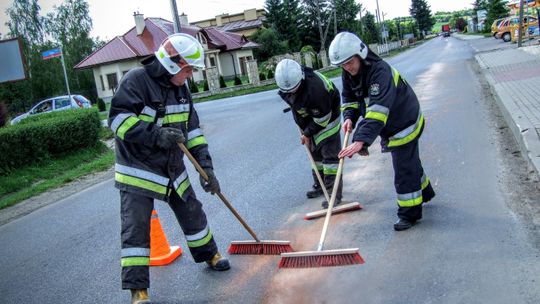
point(226, 51)
point(246, 23)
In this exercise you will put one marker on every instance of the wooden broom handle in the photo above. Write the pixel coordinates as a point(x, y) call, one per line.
point(314, 166)
point(223, 198)
point(334, 194)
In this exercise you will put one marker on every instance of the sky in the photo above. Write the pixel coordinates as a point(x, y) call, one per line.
point(112, 18)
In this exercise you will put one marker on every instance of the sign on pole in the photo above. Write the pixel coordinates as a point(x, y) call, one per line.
point(12, 65)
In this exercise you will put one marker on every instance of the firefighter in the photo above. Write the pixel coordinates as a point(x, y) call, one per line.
point(151, 112)
point(315, 104)
point(375, 90)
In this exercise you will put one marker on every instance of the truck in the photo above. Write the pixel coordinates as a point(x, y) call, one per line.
point(445, 29)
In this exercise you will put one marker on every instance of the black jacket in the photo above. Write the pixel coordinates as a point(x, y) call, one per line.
point(315, 106)
point(386, 102)
point(145, 101)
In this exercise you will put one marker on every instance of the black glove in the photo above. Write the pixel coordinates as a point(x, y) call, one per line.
point(169, 137)
point(212, 185)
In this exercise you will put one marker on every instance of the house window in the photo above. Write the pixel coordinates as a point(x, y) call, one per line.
point(102, 84)
point(112, 80)
point(212, 61)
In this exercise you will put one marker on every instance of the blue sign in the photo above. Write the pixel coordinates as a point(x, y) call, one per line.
point(51, 53)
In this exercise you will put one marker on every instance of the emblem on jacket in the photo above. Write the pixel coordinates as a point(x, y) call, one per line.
point(182, 100)
point(374, 89)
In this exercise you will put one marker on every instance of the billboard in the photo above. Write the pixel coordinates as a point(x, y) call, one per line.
point(12, 63)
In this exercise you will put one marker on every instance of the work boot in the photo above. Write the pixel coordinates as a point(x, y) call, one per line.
point(336, 203)
point(219, 263)
point(403, 224)
point(316, 191)
point(139, 296)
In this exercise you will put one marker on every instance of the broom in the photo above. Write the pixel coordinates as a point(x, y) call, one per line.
point(324, 258)
point(243, 247)
point(343, 208)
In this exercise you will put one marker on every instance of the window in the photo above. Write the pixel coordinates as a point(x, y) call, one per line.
point(112, 81)
point(102, 84)
point(212, 61)
point(61, 103)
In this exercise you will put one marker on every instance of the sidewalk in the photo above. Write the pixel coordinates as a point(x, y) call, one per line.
point(514, 78)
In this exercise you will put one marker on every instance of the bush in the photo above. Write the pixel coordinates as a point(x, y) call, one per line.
point(270, 74)
point(222, 83)
point(35, 139)
point(237, 81)
point(262, 76)
point(3, 114)
point(101, 105)
point(193, 88)
point(205, 86)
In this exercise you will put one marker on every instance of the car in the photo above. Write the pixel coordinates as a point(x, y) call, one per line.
point(446, 34)
point(506, 25)
point(58, 103)
point(495, 27)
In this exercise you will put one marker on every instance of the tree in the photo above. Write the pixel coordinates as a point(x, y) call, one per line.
point(371, 33)
point(270, 44)
point(496, 9)
point(421, 11)
point(322, 15)
point(284, 17)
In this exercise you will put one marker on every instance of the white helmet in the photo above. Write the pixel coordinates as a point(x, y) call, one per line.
point(288, 75)
point(344, 46)
point(186, 46)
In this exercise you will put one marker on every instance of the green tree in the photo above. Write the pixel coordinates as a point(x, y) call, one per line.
point(371, 33)
point(421, 11)
point(284, 17)
point(270, 44)
point(496, 9)
point(346, 15)
point(320, 13)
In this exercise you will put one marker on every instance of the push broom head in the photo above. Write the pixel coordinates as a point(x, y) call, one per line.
point(262, 247)
point(323, 258)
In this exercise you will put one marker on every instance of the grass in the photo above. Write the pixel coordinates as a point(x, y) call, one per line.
point(36, 179)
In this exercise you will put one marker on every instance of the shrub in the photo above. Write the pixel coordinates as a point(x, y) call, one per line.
point(101, 105)
point(35, 139)
point(237, 81)
point(193, 88)
point(262, 76)
point(205, 86)
point(270, 74)
point(3, 114)
point(222, 83)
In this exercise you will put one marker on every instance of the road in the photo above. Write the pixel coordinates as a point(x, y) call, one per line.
point(472, 246)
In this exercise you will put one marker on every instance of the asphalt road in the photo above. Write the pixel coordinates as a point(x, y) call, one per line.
point(471, 247)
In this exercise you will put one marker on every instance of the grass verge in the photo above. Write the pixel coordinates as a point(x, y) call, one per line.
point(36, 179)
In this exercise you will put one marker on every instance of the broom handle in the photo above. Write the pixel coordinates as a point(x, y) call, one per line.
point(333, 197)
point(314, 166)
point(223, 198)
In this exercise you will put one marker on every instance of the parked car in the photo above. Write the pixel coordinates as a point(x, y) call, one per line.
point(58, 103)
point(505, 27)
point(495, 27)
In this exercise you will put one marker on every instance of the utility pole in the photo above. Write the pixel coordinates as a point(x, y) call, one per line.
point(520, 31)
point(176, 19)
point(65, 76)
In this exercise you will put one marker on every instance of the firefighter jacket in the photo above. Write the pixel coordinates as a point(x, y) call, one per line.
point(385, 100)
point(145, 101)
point(315, 106)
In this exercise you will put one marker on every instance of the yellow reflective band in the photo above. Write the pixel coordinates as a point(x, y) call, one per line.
point(135, 261)
point(425, 183)
point(396, 76)
point(201, 242)
point(137, 182)
point(330, 171)
point(146, 118)
point(172, 118)
point(126, 125)
point(327, 83)
point(410, 203)
point(183, 187)
point(377, 116)
point(353, 106)
point(199, 140)
point(407, 139)
point(327, 134)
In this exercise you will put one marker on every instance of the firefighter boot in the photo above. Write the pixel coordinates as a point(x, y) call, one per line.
point(336, 203)
point(316, 191)
point(403, 224)
point(139, 296)
point(219, 263)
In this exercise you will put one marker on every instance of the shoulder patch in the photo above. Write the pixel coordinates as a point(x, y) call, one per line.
point(374, 89)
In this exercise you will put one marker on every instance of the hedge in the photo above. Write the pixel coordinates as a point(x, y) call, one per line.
point(44, 136)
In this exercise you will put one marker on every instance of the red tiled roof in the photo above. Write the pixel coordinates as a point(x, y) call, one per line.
point(132, 46)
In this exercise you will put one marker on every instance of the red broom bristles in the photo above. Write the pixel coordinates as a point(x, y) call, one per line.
point(259, 248)
point(312, 261)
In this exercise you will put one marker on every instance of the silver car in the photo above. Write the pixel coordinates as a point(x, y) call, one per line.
point(58, 103)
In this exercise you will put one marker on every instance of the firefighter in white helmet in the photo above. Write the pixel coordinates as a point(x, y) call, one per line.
point(376, 92)
point(151, 112)
point(315, 104)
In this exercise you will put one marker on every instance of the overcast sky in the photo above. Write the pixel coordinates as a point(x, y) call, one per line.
point(115, 17)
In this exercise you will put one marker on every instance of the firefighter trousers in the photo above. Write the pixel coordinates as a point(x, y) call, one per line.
point(412, 184)
point(326, 159)
point(136, 212)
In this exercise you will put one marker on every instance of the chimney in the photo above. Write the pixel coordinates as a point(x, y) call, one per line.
point(250, 14)
point(139, 22)
point(218, 20)
point(183, 19)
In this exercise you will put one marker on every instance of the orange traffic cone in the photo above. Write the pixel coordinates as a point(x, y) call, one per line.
point(160, 251)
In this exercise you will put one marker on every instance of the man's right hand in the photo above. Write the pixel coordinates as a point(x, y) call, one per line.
point(347, 126)
point(169, 137)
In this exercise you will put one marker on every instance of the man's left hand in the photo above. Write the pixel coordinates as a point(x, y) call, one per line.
point(351, 150)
